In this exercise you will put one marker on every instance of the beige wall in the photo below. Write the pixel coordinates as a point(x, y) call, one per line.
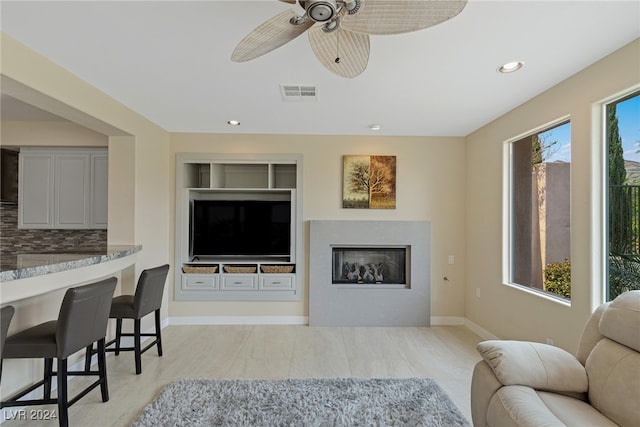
point(49, 134)
point(430, 186)
point(509, 312)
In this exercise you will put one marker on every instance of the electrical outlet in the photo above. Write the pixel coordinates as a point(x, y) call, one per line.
point(452, 260)
point(477, 292)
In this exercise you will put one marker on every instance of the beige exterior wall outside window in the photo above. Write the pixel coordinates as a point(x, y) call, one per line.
point(540, 211)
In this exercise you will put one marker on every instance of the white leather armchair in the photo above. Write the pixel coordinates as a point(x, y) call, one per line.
point(531, 384)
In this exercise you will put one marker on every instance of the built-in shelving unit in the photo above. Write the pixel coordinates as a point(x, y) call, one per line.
point(232, 276)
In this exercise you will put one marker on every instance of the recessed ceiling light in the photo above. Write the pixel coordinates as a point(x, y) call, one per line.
point(375, 126)
point(233, 123)
point(510, 67)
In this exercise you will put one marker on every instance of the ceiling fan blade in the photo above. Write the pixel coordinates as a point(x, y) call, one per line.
point(269, 35)
point(401, 16)
point(289, 1)
point(352, 50)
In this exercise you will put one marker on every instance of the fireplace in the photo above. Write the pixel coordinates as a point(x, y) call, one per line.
point(376, 266)
point(369, 273)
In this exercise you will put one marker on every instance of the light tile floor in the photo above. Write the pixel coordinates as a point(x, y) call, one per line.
point(444, 353)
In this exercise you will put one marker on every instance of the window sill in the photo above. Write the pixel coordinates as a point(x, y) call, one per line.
point(541, 294)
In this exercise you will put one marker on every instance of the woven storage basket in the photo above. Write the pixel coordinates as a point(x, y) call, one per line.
point(240, 269)
point(200, 270)
point(277, 269)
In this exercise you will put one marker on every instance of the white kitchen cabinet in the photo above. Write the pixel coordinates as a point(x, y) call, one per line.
point(71, 198)
point(62, 188)
point(36, 190)
point(99, 189)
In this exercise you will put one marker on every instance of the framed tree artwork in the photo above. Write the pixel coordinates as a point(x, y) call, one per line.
point(369, 182)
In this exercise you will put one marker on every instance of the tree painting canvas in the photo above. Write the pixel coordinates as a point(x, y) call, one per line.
point(369, 182)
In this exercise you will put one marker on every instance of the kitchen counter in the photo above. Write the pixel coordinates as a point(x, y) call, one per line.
point(29, 275)
point(30, 265)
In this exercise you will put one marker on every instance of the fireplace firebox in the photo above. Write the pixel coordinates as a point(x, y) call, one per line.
point(369, 265)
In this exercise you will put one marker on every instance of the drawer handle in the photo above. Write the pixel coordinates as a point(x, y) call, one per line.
point(275, 283)
point(237, 283)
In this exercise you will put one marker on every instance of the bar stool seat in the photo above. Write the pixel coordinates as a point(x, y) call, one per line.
point(83, 318)
point(36, 342)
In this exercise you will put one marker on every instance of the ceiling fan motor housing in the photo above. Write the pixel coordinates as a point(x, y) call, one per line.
point(321, 10)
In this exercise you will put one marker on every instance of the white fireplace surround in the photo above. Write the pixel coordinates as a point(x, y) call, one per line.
point(331, 305)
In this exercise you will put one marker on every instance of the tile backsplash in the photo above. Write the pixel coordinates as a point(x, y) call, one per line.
point(20, 241)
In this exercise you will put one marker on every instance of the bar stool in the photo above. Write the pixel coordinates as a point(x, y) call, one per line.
point(147, 299)
point(83, 319)
point(6, 313)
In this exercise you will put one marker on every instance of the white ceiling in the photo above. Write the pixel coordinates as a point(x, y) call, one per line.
point(169, 61)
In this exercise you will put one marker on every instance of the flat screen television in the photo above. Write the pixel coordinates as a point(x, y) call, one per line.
point(241, 228)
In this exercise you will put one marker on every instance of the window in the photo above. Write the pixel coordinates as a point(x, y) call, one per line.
point(622, 135)
point(539, 211)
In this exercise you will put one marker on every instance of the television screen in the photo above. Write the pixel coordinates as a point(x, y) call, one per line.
point(241, 227)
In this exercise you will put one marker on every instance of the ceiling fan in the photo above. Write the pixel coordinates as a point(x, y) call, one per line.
point(340, 41)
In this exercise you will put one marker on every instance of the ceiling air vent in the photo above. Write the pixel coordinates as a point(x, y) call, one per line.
point(298, 93)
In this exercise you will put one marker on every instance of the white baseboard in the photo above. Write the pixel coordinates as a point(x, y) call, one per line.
point(446, 320)
point(240, 320)
point(304, 320)
point(478, 330)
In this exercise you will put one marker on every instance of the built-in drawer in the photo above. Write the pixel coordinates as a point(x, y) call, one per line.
point(277, 282)
point(236, 282)
point(192, 282)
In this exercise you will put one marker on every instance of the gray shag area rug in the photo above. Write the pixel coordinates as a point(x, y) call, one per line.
point(302, 402)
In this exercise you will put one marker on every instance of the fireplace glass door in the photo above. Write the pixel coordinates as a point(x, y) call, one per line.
point(369, 265)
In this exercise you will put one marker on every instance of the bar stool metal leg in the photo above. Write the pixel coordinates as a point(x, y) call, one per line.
point(158, 333)
point(137, 345)
point(48, 373)
point(102, 368)
point(118, 335)
point(87, 357)
point(63, 401)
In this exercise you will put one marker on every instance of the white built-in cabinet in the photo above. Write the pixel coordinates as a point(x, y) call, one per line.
point(231, 177)
point(63, 188)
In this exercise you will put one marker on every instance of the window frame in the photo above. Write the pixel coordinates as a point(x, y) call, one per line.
point(508, 211)
point(601, 287)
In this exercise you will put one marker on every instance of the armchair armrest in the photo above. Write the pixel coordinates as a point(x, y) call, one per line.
point(536, 365)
